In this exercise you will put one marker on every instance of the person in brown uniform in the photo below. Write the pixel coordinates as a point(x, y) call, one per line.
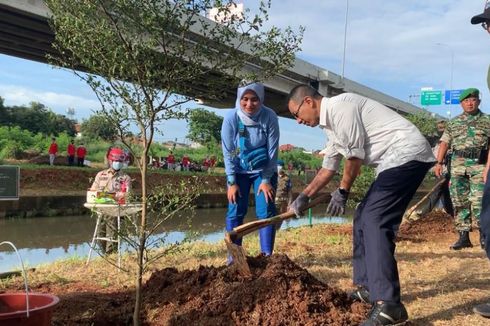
point(113, 181)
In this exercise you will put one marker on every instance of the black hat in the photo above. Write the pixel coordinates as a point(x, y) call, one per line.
point(478, 19)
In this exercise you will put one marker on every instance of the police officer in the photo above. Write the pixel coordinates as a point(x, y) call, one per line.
point(467, 136)
point(112, 180)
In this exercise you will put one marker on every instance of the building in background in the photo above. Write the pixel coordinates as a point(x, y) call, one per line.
point(234, 9)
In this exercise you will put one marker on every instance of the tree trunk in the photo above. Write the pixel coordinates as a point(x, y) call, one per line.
point(141, 245)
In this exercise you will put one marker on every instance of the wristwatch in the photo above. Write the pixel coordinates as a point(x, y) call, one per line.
point(440, 162)
point(343, 192)
point(230, 183)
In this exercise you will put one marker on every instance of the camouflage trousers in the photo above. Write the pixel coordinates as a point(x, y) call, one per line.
point(466, 189)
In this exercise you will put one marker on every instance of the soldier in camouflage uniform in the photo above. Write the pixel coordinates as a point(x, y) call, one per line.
point(283, 193)
point(467, 136)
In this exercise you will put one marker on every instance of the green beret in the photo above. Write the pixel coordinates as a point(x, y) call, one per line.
point(468, 92)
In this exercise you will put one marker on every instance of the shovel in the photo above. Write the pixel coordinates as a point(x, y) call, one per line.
point(238, 253)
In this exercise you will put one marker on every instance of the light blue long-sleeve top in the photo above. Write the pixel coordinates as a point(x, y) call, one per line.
point(262, 129)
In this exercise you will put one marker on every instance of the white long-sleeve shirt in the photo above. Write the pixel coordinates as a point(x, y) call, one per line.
point(357, 126)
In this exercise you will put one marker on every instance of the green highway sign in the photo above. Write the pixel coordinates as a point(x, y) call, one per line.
point(431, 97)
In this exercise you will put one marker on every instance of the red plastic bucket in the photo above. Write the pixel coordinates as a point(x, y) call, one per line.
point(13, 309)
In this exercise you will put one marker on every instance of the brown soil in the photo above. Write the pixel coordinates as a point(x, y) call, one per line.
point(64, 180)
point(434, 223)
point(440, 286)
point(45, 181)
point(279, 293)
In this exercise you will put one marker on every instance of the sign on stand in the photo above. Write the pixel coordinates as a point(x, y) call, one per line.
point(429, 97)
point(9, 182)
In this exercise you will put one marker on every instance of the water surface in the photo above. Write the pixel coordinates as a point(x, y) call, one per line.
point(46, 239)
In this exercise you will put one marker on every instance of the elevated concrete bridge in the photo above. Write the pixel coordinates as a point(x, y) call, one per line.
point(25, 33)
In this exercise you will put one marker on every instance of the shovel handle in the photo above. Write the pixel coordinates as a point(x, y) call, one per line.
point(249, 227)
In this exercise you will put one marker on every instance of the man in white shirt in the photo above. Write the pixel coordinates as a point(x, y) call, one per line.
point(364, 131)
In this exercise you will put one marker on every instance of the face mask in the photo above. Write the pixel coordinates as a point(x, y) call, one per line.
point(117, 165)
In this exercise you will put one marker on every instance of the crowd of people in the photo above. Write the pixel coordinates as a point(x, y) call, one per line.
point(170, 162)
point(72, 151)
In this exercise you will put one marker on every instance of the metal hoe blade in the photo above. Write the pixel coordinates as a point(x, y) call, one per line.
point(239, 257)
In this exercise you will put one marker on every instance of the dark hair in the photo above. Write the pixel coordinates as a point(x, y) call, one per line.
point(299, 92)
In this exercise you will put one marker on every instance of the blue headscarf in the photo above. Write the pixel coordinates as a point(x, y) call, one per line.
point(250, 119)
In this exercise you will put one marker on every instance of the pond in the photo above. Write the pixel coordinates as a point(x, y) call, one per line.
point(46, 239)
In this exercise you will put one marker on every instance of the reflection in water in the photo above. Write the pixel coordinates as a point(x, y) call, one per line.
point(43, 240)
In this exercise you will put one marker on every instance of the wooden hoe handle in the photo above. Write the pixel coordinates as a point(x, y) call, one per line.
point(249, 227)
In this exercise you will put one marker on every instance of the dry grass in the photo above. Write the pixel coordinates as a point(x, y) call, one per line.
point(439, 286)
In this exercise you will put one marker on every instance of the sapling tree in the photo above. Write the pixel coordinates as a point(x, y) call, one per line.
point(146, 59)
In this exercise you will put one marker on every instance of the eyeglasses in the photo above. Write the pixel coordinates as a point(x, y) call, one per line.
point(295, 114)
point(485, 25)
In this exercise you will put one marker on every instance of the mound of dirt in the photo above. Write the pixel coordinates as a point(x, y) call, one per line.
point(436, 222)
point(279, 293)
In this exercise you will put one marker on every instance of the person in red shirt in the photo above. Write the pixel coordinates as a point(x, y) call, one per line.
point(53, 150)
point(205, 164)
point(212, 164)
point(171, 161)
point(186, 162)
point(71, 150)
point(81, 152)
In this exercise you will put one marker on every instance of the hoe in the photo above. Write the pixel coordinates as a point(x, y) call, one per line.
point(238, 253)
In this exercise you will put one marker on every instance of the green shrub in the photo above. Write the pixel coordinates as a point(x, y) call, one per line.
point(10, 149)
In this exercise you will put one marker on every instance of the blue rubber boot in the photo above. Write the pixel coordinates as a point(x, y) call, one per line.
point(267, 236)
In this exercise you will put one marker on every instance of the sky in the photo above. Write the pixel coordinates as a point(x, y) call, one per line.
point(396, 47)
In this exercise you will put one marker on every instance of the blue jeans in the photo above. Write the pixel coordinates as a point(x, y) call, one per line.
point(236, 212)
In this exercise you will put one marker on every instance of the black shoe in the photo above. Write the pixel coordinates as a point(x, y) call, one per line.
point(463, 241)
point(386, 313)
point(482, 240)
point(482, 310)
point(360, 294)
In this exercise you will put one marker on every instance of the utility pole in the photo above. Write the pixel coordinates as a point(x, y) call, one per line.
point(345, 37)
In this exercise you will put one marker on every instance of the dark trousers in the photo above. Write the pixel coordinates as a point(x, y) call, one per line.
point(107, 229)
point(80, 161)
point(485, 215)
point(441, 194)
point(376, 222)
point(71, 159)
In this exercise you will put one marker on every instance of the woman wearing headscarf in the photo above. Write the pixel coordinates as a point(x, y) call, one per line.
point(250, 141)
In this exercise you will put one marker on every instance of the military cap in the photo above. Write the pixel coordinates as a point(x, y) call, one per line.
point(468, 92)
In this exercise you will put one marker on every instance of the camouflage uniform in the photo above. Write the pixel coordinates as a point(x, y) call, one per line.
point(467, 136)
point(283, 193)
